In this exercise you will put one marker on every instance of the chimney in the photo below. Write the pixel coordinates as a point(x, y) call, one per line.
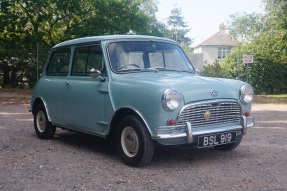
point(222, 27)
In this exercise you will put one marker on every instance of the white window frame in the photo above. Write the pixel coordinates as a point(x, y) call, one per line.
point(223, 52)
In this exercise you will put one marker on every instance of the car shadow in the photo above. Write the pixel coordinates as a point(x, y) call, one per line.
point(85, 142)
point(163, 155)
point(187, 154)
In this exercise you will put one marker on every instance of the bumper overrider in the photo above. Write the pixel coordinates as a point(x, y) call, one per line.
point(189, 133)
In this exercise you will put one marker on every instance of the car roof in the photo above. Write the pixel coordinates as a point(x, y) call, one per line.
point(111, 37)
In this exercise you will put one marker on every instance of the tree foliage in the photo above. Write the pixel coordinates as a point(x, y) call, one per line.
point(213, 70)
point(268, 45)
point(52, 21)
point(178, 27)
point(264, 37)
point(23, 23)
point(245, 27)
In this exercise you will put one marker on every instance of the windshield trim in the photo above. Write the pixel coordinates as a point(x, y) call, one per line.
point(155, 69)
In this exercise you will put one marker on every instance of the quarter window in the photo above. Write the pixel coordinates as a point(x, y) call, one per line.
point(223, 52)
point(59, 63)
point(87, 58)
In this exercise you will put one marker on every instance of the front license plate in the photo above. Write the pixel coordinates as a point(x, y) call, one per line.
point(216, 139)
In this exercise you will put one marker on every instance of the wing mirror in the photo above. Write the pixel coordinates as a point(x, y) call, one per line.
point(96, 74)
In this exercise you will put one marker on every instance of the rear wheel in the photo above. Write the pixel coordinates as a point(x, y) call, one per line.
point(43, 127)
point(134, 142)
point(230, 146)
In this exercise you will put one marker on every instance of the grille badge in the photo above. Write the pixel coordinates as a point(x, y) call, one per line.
point(207, 115)
point(213, 93)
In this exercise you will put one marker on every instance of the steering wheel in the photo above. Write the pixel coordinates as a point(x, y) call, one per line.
point(135, 65)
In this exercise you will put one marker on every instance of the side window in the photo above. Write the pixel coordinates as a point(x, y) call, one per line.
point(87, 58)
point(59, 63)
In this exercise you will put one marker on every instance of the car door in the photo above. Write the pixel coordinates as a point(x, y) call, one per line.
point(53, 83)
point(84, 95)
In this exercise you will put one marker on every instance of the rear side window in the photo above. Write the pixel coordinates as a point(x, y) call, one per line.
point(87, 58)
point(59, 63)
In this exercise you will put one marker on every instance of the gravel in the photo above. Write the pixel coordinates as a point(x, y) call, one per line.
point(73, 161)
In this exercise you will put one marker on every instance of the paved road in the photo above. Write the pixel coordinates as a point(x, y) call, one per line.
point(74, 161)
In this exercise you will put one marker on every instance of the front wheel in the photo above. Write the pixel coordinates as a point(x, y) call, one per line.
point(230, 146)
point(134, 142)
point(43, 127)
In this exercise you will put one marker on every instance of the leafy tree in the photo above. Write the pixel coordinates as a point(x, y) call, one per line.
point(23, 23)
point(155, 28)
point(268, 74)
point(270, 49)
point(115, 17)
point(276, 13)
point(178, 27)
point(245, 27)
point(213, 70)
point(230, 64)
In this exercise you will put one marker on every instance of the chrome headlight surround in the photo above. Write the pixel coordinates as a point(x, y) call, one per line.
point(171, 99)
point(246, 94)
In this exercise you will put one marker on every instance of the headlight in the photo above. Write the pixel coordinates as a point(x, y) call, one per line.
point(171, 99)
point(246, 94)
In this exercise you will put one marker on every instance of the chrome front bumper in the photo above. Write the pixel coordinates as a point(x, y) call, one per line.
point(188, 132)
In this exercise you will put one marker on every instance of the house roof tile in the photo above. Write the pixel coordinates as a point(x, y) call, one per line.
point(218, 39)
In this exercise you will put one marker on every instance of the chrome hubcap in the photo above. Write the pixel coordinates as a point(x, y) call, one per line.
point(129, 141)
point(41, 121)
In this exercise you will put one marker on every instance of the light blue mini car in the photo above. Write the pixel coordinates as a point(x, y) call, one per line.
point(138, 91)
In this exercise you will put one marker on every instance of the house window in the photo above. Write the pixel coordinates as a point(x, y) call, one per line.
point(223, 52)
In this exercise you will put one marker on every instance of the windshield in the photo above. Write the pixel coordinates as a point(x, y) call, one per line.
point(138, 56)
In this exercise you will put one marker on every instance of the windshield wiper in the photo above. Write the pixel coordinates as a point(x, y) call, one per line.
point(156, 68)
point(129, 69)
point(160, 68)
point(189, 71)
point(169, 69)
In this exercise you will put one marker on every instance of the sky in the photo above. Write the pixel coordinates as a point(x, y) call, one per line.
point(205, 16)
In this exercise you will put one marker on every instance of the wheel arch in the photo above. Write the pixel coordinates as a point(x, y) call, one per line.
point(37, 102)
point(120, 114)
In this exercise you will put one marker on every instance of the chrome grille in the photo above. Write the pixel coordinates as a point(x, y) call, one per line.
point(221, 112)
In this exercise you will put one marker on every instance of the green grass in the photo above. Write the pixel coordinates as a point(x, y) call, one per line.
point(272, 99)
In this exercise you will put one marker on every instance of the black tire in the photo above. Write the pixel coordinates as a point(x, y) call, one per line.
point(230, 146)
point(134, 142)
point(43, 127)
